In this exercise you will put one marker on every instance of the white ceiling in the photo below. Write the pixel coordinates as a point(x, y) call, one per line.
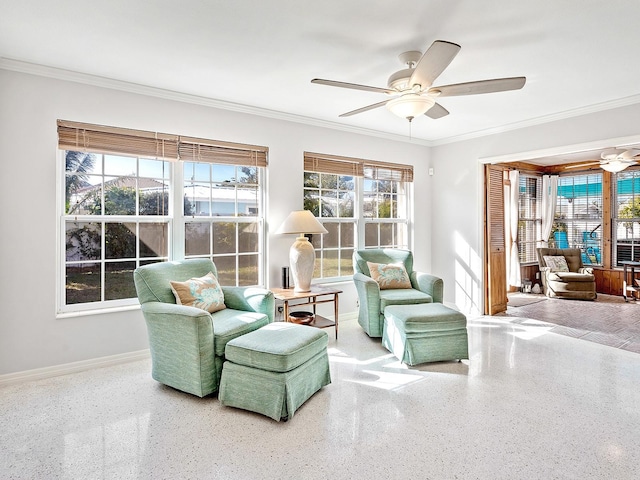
point(577, 55)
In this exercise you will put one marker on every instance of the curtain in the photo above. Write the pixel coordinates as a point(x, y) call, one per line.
point(513, 259)
point(549, 200)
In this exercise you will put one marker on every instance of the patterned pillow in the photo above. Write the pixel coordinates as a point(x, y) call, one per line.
point(388, 276)
point(204, 293)
point(556, 264)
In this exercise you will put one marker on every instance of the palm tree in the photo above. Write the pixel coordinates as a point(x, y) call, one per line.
point(77, 166)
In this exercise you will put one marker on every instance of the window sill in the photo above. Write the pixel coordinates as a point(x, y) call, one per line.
point(97, 311)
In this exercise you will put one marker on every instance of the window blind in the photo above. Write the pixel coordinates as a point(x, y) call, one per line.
point(104, 139)
point(388, 171)
point(212, 151)
point(316, 162)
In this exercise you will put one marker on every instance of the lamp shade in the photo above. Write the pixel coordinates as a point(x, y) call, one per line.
point(302, 256)
point(300, 222)
point(410, 105)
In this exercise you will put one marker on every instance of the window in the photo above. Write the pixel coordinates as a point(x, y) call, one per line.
point(116, 218)
point(128, 201)
point(529, 217)
point(385, 208)
point(626, 217)
point(223, 219)
point(578, 218)
point(362, 204)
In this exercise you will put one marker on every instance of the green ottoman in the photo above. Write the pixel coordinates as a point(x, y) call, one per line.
point(275, 369)
point(427, 332)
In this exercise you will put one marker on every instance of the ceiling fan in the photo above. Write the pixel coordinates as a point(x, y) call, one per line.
point(614, 159)
point(411, 88)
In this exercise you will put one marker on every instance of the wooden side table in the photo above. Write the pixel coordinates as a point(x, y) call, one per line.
point(629, 284)
point(316, 296)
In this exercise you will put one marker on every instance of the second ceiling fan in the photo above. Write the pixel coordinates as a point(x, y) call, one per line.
point(613, 160)
point(412, 89)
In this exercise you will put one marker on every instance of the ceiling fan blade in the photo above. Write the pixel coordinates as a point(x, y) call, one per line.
point(363, 109)
point(583, 164)
point(353, 86)
point(481, 86)
point(437, 111)
point(629, 154)
point(433, 62)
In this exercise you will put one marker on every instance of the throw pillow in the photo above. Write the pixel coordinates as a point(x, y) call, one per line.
point(204, 293)
point(556, 263)
point(389, 276)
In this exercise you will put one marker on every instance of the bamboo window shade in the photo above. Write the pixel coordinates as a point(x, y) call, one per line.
point(316, 162)
point(103, 139)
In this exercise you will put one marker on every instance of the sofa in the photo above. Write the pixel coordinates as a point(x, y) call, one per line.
point(574, 281)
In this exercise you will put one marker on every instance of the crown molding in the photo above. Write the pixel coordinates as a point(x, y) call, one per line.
point(577, 112)
point(94, 80)
point(618, 142)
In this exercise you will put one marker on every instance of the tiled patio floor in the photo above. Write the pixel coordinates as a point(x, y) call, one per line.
point(608, 320)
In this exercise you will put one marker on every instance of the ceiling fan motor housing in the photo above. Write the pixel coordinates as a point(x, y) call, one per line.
point(400, 80)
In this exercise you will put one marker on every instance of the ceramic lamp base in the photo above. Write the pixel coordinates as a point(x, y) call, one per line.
point(302, 259)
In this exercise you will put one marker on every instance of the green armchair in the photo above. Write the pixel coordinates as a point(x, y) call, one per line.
point(426, 288)
point(187, 344)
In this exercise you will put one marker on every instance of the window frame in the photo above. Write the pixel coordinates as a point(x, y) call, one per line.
point(103, 219)
point(362, 171)
point(617, 222)
point(534, 205)
point(103, 141)
point(590, 244)
point(237, 219)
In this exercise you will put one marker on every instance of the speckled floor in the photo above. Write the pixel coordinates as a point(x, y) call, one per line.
point(529, 404)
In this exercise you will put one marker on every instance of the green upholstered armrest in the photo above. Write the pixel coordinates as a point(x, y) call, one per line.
point(429, 284)
point(163, 318)
point(368, 293)
point(366, 282)
point(369, 314)
point(181, 344)
point(250, 299)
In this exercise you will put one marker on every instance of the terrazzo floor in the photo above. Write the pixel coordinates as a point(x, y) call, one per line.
point(529, 404)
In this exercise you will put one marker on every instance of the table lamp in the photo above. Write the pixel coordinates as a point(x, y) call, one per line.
point(302, 256)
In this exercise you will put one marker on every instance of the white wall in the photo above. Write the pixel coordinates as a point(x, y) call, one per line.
point(457, 190)
point(31, 336)
point(448, 231)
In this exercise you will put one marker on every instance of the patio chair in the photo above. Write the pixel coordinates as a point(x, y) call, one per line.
point(563, 274)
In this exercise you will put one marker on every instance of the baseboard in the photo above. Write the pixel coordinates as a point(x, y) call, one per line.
point(74, 367)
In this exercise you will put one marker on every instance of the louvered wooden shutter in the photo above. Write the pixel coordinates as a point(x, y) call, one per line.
point(495, 254)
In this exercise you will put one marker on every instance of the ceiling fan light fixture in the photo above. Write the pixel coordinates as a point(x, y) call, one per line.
point(615, 166)
point(410, 105)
